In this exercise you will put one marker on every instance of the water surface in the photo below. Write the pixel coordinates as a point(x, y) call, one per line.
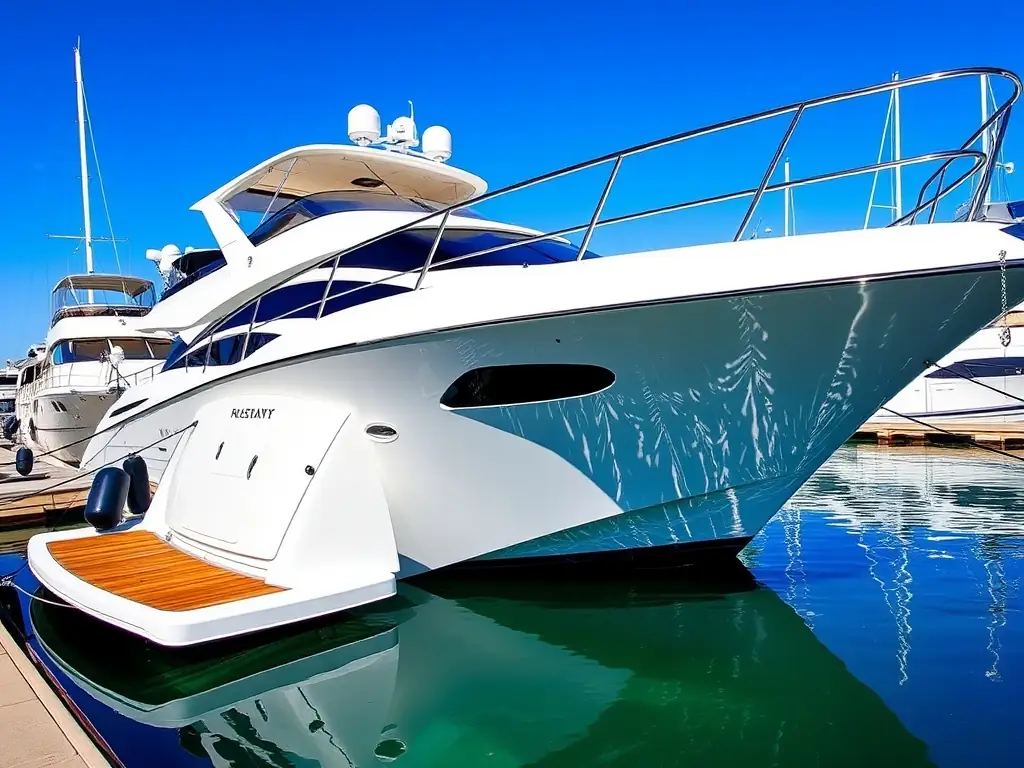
point(879, 623)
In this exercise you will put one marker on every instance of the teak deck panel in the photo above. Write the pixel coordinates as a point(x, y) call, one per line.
point(141, 567)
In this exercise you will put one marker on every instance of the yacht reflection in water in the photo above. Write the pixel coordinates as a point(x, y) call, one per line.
point(942, 503)
point(637, 671)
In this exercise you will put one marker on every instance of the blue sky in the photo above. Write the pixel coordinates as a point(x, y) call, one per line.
point(186, 95)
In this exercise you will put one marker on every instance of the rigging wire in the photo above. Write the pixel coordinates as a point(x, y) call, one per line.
point(94, 470)
point(99, 178)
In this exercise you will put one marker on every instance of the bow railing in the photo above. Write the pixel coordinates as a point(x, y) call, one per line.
point(982, 162)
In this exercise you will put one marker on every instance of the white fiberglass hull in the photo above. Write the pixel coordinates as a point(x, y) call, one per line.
point(720, 409)
point(61, 422)
point(980, 382)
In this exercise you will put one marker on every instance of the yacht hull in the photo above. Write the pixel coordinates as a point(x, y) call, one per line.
point(61, 422)
point(720, 409)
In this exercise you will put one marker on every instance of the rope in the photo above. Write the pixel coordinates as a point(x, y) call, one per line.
point(7, 580)
point(32, 596)
point(961, 438)
point(979, 383)
point(85, 439)
point(73, 478)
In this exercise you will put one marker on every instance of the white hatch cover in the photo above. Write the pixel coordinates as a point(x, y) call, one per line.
point(245, 468)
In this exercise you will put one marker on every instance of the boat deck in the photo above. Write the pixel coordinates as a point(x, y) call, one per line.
point(141, 567)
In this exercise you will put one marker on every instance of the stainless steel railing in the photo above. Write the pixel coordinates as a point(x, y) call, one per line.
point(995, 125)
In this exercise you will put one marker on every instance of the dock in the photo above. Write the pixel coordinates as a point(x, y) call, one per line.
point(32, 500)
point(1006, 436)
point(36, 729)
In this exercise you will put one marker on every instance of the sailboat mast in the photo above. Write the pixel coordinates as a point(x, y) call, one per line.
point(897, 149)
point(785, 199)
point(85, 166)
point(986, 139)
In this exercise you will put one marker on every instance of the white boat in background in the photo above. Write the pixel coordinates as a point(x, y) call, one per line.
point(91, 350)
point(8, 390)
point(982, 380)
point(425, 387)
point(92, 346)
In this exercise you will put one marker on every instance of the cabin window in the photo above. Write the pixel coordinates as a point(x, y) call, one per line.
point(123, 408)
point(192, 267)
point(177, 349)
point(6, 406)
point(92, 350)
point(143, 349)
point(324, 203)
point(408, 250)
point(79, 351)
point(8, 381)
point(518, 384)
point(225, 351)
point(978, 368)
point(258, 340)
point(303, 300)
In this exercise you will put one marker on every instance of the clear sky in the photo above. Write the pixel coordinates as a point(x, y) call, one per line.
point(184, 96)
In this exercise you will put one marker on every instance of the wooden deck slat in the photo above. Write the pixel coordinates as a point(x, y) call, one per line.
point(139, 566)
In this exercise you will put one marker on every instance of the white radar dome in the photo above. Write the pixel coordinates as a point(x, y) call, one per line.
point(437, 143)
point(403, 129)
point(363, 124)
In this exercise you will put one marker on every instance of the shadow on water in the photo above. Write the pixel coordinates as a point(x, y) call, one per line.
point(640, 670)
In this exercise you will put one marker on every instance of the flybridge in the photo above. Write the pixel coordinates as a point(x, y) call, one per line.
point(252, 413)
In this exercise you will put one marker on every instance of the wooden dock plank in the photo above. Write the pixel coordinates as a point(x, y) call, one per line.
point(1005, 435)
point(141, 567)
point(33, 499)
point(25, 501)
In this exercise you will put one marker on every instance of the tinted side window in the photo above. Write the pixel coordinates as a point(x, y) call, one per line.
point(257, 340)
point(226, 351)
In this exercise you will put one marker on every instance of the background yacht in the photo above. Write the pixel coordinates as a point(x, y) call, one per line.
point(92, 347)
point(90, 351)
point(426, 387)
point(8, 390)
point(967, 385)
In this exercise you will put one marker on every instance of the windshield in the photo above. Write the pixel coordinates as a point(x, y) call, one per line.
point(95, 296)
point(324, 203)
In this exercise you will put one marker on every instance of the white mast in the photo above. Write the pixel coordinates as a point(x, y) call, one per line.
point(785, 199)
point(85, 165)
point(898, 202)
point(986, 139)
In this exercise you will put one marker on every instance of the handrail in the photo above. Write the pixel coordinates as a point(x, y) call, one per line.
point(931, 157)
point(985, 163)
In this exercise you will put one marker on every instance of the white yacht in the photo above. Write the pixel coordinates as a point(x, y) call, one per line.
point(92, 346)
point(425, 387)
point(27, 368)
point(91, 351)
point(8, 390)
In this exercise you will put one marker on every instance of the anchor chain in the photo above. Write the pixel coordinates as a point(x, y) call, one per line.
point(1004, 332)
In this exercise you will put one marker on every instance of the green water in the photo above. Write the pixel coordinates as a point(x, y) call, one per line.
point(876, 622)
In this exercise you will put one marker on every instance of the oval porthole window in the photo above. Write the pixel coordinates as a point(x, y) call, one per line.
point(531, 383)
point(382, 433)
